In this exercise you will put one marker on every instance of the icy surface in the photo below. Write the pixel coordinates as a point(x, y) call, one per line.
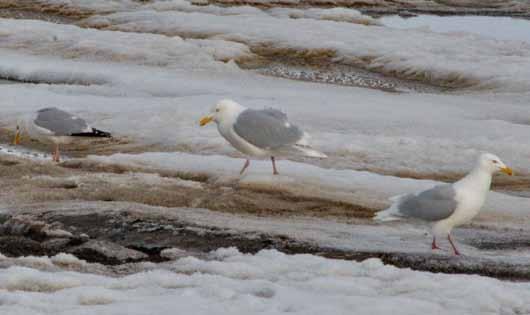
point(165, 84)
point(358, 128)
point(440, 58)
point(501, 28)
point(268, 282)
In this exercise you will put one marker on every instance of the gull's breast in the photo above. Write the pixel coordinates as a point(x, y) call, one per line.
point(239, 143)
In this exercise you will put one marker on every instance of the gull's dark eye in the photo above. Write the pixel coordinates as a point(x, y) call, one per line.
point(217, 109)
point(495, 162)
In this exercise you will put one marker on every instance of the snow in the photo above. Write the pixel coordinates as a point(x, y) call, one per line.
point(500, 28)
point(72, 42)
point(268, 282)
point(462, 58)
point(355, 131)
point(334, 14)
point(151, 84)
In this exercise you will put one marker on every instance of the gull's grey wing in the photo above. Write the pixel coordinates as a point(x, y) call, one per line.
point(267, 129)
point(59, 122)
point(434, 204)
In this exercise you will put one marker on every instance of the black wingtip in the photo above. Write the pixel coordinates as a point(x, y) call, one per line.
point(96, 133)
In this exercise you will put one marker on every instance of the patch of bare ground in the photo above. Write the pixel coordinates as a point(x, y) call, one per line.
point(43, 10)
point(83, 147)
point(324, 66)
point(401, 7)
point(28, 181)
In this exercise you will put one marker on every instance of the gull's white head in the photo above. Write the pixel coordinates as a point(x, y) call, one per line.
point(223, 110)
point(492, 164)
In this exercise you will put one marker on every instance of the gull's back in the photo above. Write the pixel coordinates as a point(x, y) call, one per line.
point(267, 128)
point(435, 204)
point(59, 122)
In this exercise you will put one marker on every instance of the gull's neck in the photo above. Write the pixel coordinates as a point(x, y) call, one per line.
point(478, 179)
point(226, 124)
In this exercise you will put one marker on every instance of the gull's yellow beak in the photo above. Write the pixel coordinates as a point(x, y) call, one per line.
point(16, 141)
point(507, 170)
point(205, 120)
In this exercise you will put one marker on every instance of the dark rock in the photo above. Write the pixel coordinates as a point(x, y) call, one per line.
point(56, 245)
point(15, 246)
point(107, 253)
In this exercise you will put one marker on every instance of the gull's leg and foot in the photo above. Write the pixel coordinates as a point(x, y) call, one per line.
point(453, 245)
point(274, 170)
point(16, 141)
point(434, 246)
point(247, 163)
point(56, 154)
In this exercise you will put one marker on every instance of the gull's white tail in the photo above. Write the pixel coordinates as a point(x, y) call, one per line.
point(310, 152)
point(391, 213)
point(305, 148)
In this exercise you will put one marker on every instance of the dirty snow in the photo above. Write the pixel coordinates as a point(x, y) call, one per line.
point(356, 187)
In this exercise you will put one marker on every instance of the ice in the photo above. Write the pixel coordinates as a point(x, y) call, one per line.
point(268, 282)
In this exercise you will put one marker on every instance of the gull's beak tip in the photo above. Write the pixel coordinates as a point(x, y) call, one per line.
point(205, 120)
point(506, 170)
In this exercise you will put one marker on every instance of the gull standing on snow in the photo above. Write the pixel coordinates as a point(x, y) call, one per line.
point(60, 127)
point(448, 205)
point(259, 133)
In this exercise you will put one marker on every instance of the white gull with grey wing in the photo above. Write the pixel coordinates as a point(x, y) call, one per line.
point(448, 205)
point(58, 126)
point(259, 133)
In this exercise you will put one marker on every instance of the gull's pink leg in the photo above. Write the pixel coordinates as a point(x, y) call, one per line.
point(247, 163)
point(56, 155)
point(434, 246)
point(453, 245)
point(274, 170)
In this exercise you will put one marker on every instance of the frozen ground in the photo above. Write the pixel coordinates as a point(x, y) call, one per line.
point(148, 71)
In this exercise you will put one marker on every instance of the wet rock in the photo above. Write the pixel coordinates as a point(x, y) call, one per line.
point(173, 253)
point(59, 233)
point(4, 217)
point(56, 245)
point(15, 246)
point(26, 225)
point(22, 225)
point(107, 253)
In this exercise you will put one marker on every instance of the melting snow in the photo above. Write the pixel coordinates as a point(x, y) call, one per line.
point(268, 282)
